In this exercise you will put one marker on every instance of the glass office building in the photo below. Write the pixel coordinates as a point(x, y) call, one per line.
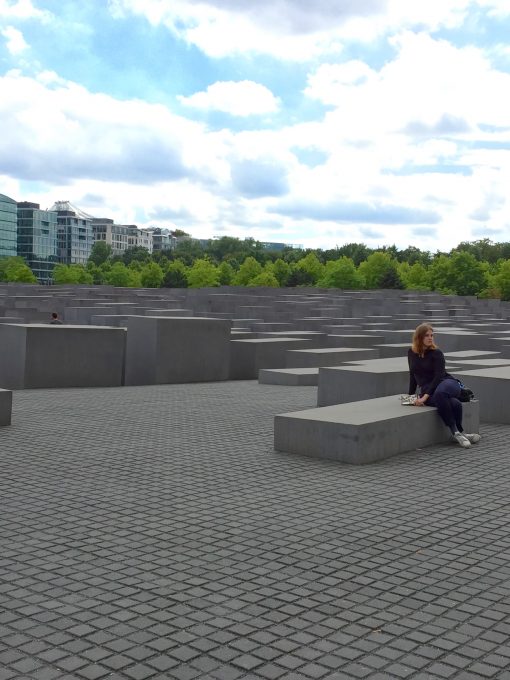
point(37, 239)
point(8, 227)
point(74, 233)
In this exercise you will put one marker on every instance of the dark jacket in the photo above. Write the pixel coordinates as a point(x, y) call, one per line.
point(426, 372)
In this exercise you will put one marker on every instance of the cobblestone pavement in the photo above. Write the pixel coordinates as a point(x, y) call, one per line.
point(152, 532)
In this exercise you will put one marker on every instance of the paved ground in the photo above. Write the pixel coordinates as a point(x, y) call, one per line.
point(152, 532)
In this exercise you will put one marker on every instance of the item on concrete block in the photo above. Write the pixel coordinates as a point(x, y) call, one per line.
point(466, 394)
point(407, 399)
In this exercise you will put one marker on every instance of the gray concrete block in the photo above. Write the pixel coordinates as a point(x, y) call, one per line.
point(42, 355)
point(365, 379)
point(362, 340)
point(5, 407)
point(163, 350)
point(247, 357)
point(392, 350)
point(491, 387)
point(364, 431)
point(289, 376)
point(11, 319)
point(327, 356)
point(341, 384)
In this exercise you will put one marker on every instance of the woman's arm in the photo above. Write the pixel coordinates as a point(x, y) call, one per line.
point(439, 369)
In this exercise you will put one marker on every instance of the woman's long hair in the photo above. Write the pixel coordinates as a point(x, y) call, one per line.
point(418, 347)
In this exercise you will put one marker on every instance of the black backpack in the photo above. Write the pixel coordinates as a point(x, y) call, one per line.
point(466, 394)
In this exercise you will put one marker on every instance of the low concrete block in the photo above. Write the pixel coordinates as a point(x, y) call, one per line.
point(247, 357)
point(289, 376)
point(42, 355)
point(365, 380)
point(491, 387)
point(164, 350)
point(327, 356)
point(341, 384)
point(5, 407)
point(353, 340)
point(365, 431)
point(11, 319)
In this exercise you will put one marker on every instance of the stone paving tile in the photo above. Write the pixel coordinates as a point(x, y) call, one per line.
point(152, 532)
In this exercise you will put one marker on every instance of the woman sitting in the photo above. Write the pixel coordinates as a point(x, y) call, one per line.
point(435, 386)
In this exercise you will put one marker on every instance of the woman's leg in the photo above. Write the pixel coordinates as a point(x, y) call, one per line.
point(445, 399)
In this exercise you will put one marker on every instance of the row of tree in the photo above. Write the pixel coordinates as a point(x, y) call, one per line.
point(479, 268)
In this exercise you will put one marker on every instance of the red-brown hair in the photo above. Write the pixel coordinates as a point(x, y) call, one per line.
point(418, 346)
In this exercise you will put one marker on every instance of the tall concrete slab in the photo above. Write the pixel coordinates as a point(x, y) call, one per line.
point(163, 350)
point(5, 407)
point(42, 356)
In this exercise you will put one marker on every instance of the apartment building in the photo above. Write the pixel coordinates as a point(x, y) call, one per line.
point(38, 239)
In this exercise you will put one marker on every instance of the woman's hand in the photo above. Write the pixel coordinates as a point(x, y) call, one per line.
point(421, 401)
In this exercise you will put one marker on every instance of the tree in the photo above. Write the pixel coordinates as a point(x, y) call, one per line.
point(414, 277)
point(281, 271)
point(228, 248)
point(311, 265)
point(292, 255)
point(379, 268)
point(484, 250)
point(358, 252)
point(176, 275)
point(265, 278)
point(119, 275)
point(188, 250)
point(459, 274)
point(391, 279)
point(413, 255)
point(249, 269)
point(203, 274)
point(226, 273)
point(137, 253)
point(151, 275)
point(467, 275)
point(439, 274)
point(500, 280)
point(72, 273)
point(15, 269)
point(341, 273)
point(97, 273)
point(300, 277)
point(101, 251)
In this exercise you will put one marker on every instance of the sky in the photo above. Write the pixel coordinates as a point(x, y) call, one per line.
point(313, 123)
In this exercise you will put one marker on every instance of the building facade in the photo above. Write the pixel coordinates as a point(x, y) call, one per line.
point(141, 238)
point(37, 239)
point(75, 236)
point(162, 238)
point(115, 235)
point(8, 227)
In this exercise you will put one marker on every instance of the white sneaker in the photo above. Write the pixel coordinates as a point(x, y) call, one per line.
point(462, 440)
point(473, 438)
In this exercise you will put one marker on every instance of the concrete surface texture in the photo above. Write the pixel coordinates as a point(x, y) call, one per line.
point(5, 407)
point(173, 350)
point(40, 355)
point(152, 532)
point(364, 432)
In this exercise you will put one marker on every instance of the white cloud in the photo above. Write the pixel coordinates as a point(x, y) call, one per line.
point(288, 29)
point(21, 9)
point(430, 84)
point(15, 40)
point(242, 98)
point(295, 29)
point(53, 129)
point(377, 153)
